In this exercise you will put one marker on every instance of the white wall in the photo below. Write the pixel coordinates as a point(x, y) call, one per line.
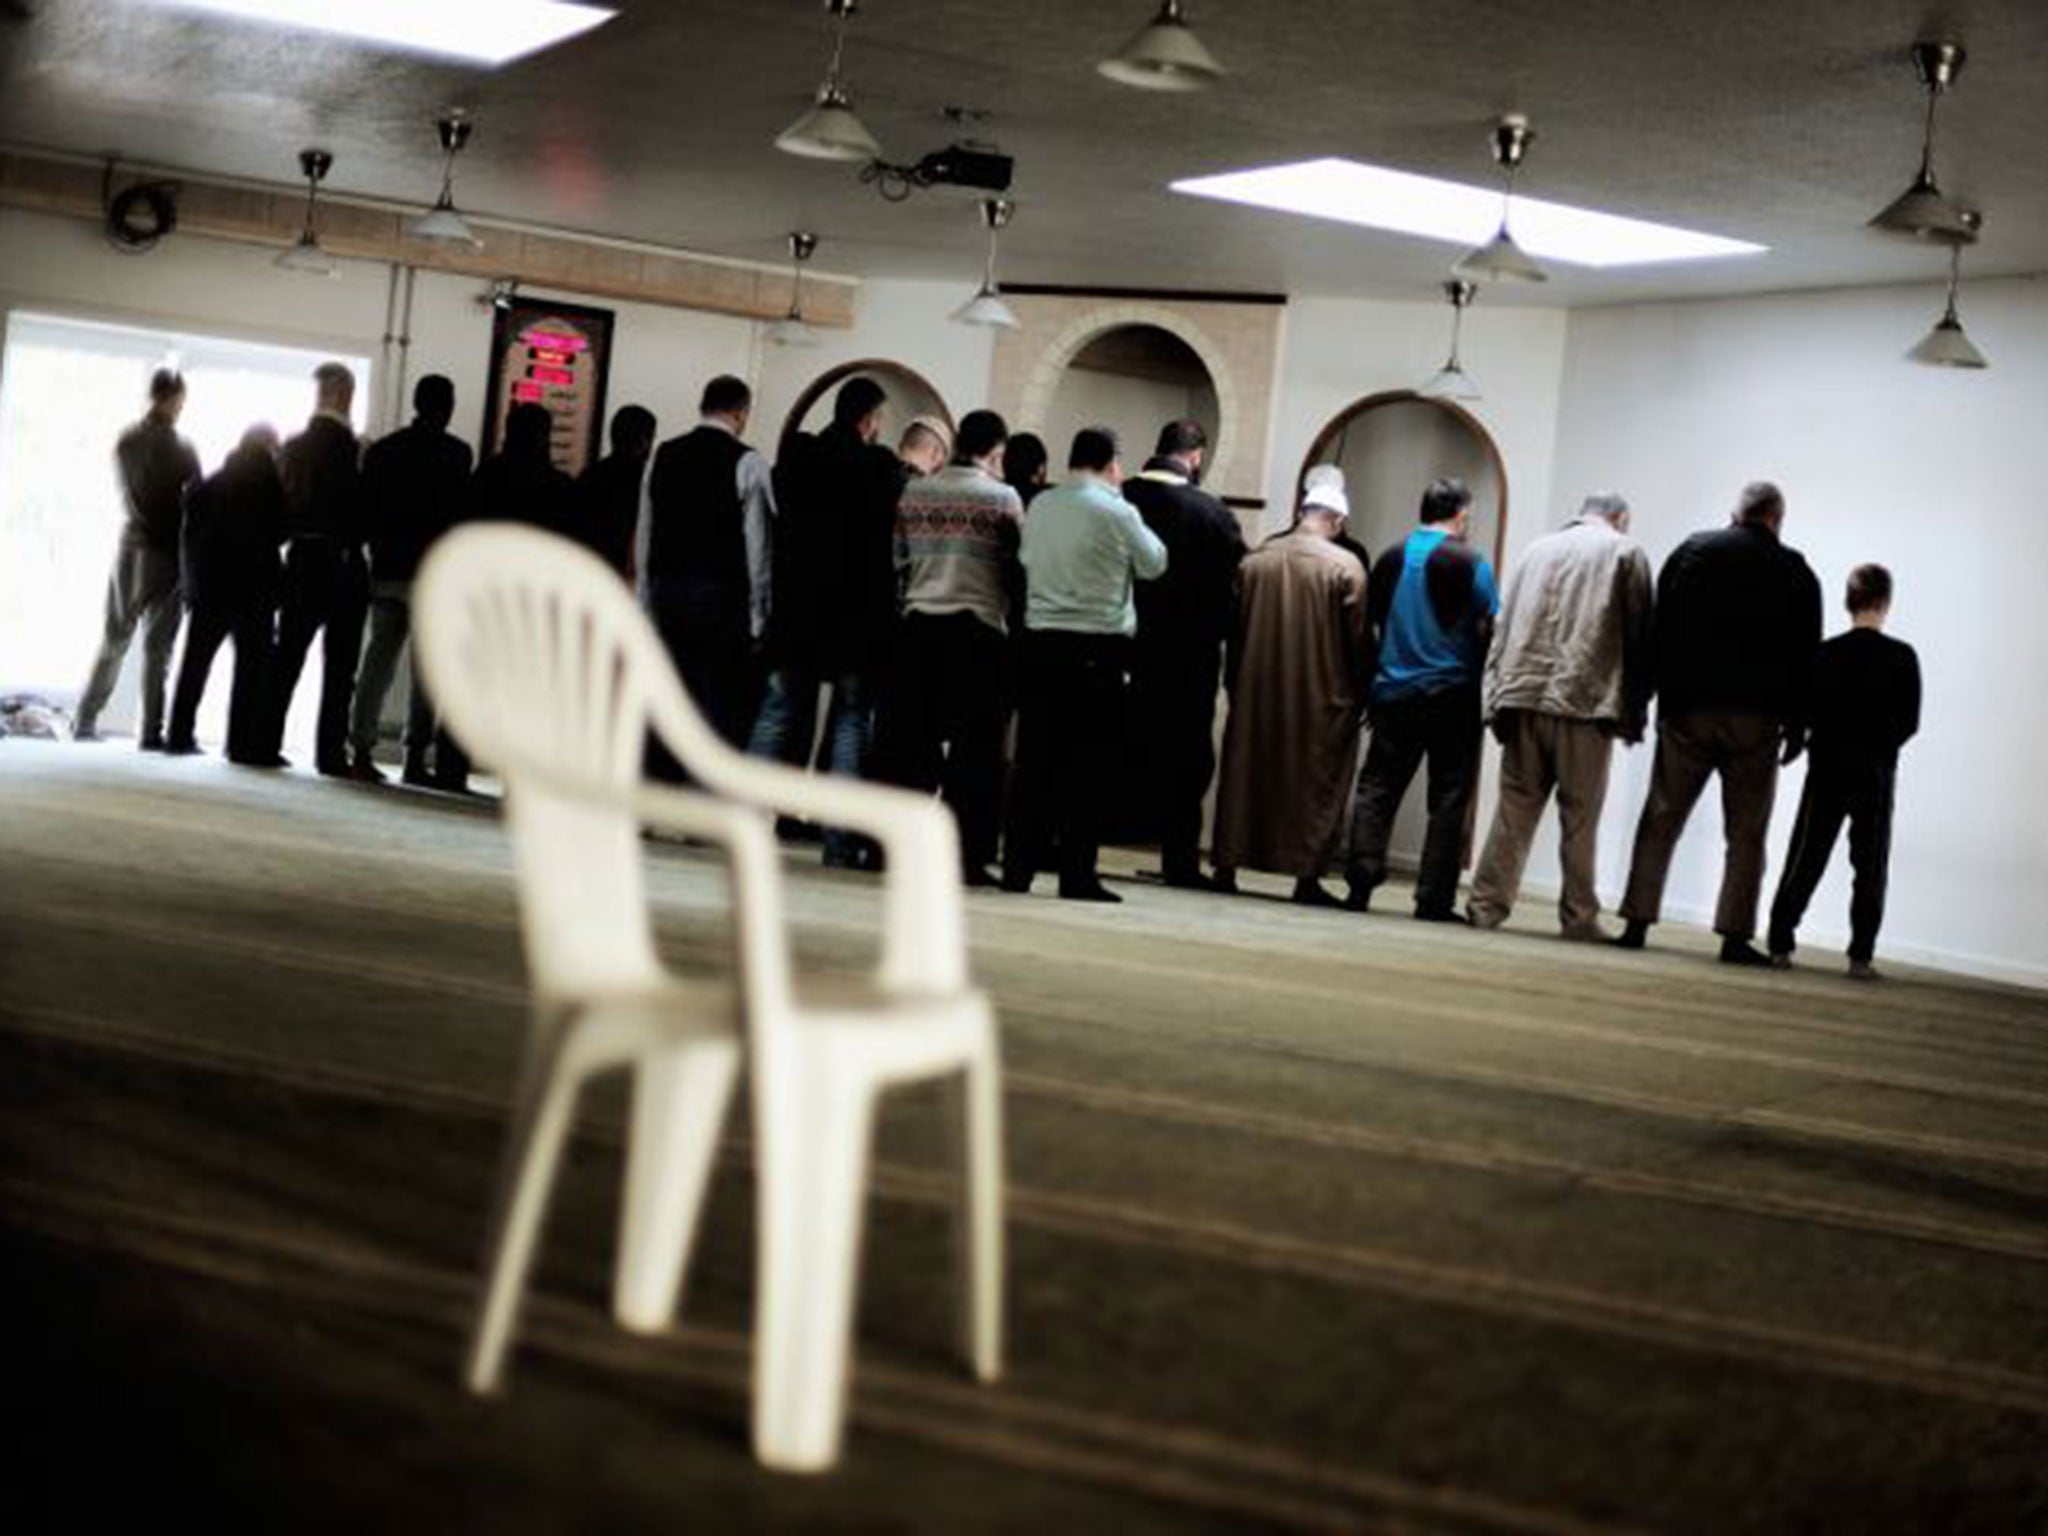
point(1936, 473)
point(1338, 350)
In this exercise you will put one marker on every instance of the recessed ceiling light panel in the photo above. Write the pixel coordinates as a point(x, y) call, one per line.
point(1375, 197)
point(489, 32)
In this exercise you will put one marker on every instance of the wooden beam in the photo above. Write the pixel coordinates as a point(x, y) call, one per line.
point(370, 232)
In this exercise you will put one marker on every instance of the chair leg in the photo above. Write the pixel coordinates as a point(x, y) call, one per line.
point(811, 1205)
point(679, 1103)
point(540, 1128)
point(978, 1216)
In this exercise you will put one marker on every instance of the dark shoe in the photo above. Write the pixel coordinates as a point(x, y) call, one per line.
point(1632, 935)
point(1358, 898)
point(1224, 882)
point(1781, 960)
point(1591, 933)
point(332, 768)
point(1093, 891)
point(186, 748)
point(1742, 952)
point(85, 733)
point(979, 877)
point(363, 771)
point(1863, 970)
point(1449, 915)
point(150, 744)
point(1017, 881)
point(1309, 892)
point(274, 760)
point(415, 773)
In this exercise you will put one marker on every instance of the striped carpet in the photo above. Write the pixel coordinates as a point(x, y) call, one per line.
point(1319, 1222)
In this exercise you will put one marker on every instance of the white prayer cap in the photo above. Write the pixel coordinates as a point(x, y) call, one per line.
point(1324, 487)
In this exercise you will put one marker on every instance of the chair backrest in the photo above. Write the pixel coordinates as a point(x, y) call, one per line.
point(542, 663)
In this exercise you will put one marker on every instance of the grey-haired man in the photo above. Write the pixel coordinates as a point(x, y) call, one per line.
point(1568, 671)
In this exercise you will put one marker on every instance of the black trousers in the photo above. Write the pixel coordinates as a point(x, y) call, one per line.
point(708, 632)
point(1860, 794)
point(1445, 728)
point(1173, 712)
point(326, 592)
point(251, 619)
point(945, 705)
point(1070, 734)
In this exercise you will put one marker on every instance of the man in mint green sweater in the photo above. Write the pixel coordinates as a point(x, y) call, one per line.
point(1084, 548)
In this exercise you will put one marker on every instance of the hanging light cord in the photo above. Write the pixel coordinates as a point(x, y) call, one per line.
point(312, 192)
point(839, 14)
point(1955, 277)
point(1457, 331)
point(1927, 134)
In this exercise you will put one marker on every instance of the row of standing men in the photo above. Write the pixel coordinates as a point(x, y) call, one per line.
point(913, 585)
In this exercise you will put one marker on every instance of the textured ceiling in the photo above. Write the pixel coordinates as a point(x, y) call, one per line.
point(1786, 122)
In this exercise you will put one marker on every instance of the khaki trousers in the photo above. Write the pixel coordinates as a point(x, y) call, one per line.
point(1743, 750)
point(1541, 753)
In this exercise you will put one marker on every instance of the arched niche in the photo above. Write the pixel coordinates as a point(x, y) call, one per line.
point(1133, 378)
point(1391, 445)
point(1050, 370)
point(910, 394)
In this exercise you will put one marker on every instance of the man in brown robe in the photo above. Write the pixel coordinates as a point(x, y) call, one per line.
point(1298, 674)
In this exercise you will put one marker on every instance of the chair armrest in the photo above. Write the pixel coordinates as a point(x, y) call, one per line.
point(924, 930)
point(749, 841)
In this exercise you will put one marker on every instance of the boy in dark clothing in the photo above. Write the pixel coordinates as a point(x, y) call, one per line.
point(1865, 706)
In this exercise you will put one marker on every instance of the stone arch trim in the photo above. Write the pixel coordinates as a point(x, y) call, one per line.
point(1053, 362)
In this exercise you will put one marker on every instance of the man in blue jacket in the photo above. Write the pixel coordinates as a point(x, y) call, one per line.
point(1430, 604)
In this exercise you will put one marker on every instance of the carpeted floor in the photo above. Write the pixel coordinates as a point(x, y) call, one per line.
point(1318, 1222)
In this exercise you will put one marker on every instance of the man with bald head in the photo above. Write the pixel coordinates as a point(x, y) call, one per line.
point(1738, 624)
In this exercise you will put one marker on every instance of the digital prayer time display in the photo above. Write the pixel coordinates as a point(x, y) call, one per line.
point(557, 356)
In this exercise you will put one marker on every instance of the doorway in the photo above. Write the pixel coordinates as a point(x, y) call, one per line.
point(68, 388)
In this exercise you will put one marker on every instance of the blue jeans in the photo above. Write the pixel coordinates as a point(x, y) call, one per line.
point(788, 723)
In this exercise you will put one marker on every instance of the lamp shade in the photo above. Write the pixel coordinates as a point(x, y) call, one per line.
point(442, 222)
point(305, 255)
point(1452, 383)
point(1165, 56)
point(1947, 346)
point(1923, 212)
point(791, 331)
point(986, 308)
point(1500, 260)
point(829, 131)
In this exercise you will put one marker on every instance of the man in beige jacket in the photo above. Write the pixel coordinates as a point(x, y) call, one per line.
point(1569, 670)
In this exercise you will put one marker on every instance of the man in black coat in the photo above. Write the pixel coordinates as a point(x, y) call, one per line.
point(234, 522)
point(1738, 621)
point(1865, 706)
point(518, 484)
point(414, 481)
point(608, 521)
point(1184, 618)
point(155, 466)
point(834, 608)
point(326, 578)
point(711, 513)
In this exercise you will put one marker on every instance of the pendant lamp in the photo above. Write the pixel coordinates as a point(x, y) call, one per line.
point(1923, 211)
point(1947, 345)
point(1500, 260)
point(1164, 56)
point(792, 330)
point(987, 306)
point(1451, 381)
point(442, 221)
point(306, 254)
point(829, 130)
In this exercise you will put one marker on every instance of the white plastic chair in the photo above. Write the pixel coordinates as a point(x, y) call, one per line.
point(550, 675)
